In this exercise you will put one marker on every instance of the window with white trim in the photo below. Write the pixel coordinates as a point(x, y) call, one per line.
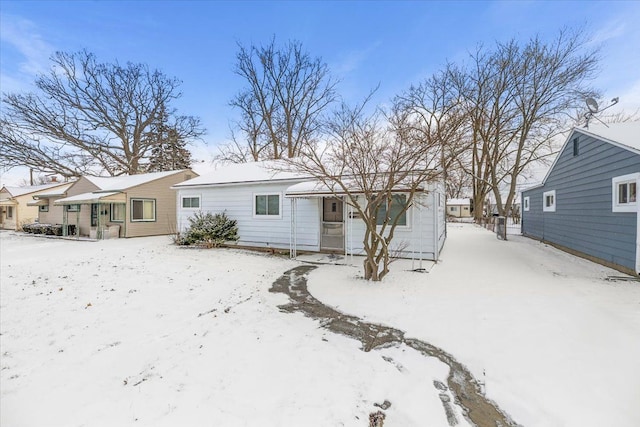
point(143, 210)
point(9, 212)
point(117, 212)
point(526, 203)
point(266, 205)
point(549, 201)
point(73, 208)
point(191, 202)
point(396, 211)
point(624, 193)
point(43, 208)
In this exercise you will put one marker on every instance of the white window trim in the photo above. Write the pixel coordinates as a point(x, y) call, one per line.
point(527, 204)
point(408, 216)
point(41, 208)
point(193, 196)
point(623, 179)
point(253, 205)
point(112, 210)
point(551, 208)
point(155, 206)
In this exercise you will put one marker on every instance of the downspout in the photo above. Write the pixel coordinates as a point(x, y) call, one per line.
point(436, 208)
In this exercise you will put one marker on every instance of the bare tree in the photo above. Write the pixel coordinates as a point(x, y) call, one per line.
point(378, 163)
point(89, 117)
point(518, 99)
point(280, 109)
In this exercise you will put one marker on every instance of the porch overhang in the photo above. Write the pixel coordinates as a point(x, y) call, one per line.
point(39, 202)
point(86, 198)
point(8, 202)
point(317, 188)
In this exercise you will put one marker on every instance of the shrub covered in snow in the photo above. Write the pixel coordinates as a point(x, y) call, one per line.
point(211, 230)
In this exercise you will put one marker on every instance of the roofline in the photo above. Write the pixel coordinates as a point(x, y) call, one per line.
point(122, 190)
point(185, 184)
point(569, 137)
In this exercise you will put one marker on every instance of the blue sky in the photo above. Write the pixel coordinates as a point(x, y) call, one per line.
point(367, 43)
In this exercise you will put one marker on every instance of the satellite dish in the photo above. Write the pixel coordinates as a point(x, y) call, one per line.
point(592, 105)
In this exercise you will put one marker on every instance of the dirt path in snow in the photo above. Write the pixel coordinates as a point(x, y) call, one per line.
point(475, 406)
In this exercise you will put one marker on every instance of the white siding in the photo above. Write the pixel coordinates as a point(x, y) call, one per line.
point(237, 202)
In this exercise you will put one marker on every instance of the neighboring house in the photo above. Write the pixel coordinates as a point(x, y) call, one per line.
point(48, 213)
point(15, 205)
point(587, 203)
point(459, 208)
point(284, 210)
point(122, 206)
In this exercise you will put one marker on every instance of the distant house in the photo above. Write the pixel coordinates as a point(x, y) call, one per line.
point(122, 206)
point(288, 211)
point(459, 208)
point(15, 207)
point(587, 203)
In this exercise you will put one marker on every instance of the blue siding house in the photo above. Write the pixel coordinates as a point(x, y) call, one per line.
point(587, 203)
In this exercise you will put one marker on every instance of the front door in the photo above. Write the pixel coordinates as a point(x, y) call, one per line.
point(332, 224)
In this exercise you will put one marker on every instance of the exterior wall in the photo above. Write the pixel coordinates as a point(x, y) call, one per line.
point(237, 202)
point(53, 216)
point(81, 219)
point(583, 220)
point(165, 198)
point(424, 222)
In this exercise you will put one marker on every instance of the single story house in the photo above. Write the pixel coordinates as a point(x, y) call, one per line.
point(285, 210)
point(587, 203)
point(459, 208)
point(15, 206)
point(122, 206)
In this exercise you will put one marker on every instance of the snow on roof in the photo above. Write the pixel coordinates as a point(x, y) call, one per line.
point(116, 183)
point(84, 198)
point(21, 191)
point(243, 173)
point(627, 133)
point(458, 201)
point(57, 192)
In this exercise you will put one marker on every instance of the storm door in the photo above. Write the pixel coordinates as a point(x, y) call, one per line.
point(332, 224)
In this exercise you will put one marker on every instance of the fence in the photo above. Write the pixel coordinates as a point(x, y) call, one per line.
point(511, 223)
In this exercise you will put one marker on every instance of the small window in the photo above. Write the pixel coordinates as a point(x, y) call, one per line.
point(9, 211)
point(191, 202)
point(526, 203)
point(549, 201)
point(73, 208)
point(397, 211)
point(143, 210)
point(267, 205)
point(576, 146)
point(117, 212)
point(624, 191)
point(43, 208)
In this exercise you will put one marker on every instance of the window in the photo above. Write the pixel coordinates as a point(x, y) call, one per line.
point(549, 201)
point(398, 202)
point(73, 208)
point(43, 208)
point(117, 212)
point(624, 191)
point(143, 210)
point(9, 212)
point(191, 202)
point(526, 203)
point(576, 146)
point(267, 205)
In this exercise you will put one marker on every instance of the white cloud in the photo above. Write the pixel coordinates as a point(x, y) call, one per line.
point(23, 35)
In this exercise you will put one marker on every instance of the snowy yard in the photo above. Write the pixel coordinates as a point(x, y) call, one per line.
point(139, 332)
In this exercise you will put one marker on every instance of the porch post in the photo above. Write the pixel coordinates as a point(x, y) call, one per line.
point(293, 232)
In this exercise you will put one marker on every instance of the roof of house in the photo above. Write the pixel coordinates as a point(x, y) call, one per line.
point(465, 201)
point(55, 192)
point(21, 191)
point(244, 173)
point(626, 134)
point(119, 183)
point(85, 198)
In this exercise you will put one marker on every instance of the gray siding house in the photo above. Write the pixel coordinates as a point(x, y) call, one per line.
point(587, 203)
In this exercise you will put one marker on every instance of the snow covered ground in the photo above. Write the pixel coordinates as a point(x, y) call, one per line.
point(139, 332)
